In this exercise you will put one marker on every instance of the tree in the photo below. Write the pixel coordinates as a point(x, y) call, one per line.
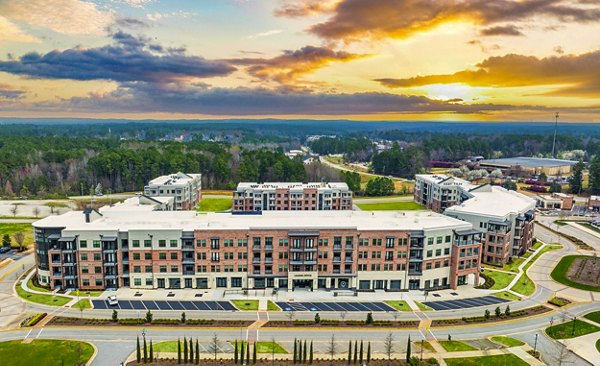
point(213, 346)
point(343, 314)
point(295, 359)
point(254, 354)
point(14, 209)
point(145, 351)
point(576, 178)
point(6, 240)
point(498, 312)
point(304, 352)
point(151, 352)
point(235, 352)
point(388, 344)
point(361, 358)
point(355, 359)
point(149, 317)
point(20, 238)
point(408, 350)
point(380, 186)
point(185, 351)
point(352, 179)
point(115, 316)
point(542, 177)
point(486, 315)
point(369, 353)
point(191, 347)
point(247, 353)
point(369, 318)
point(290, 315)
point(594, 174)
point(197, 358)
point(555, 187)
point(510, 185)
point(507, 310)
point(36, 211)
point(299, 351)
point(178, 351)
point(349, 359)
point(183, 317)
point(332, 347)
point(138, 351)
point(242, 352)
point(98, 189)
point(317, 318)
point(8, 189)
point(310, 360)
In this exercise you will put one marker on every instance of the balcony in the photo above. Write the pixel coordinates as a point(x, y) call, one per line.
point(349, 246)
point(187, 273)
point(108, 277)
point(188, 248)
point(187, 260)
point(310, 249)
point(337, 259)
point(337, 247)
point(56, 261)
point(109, 250)
point(70, 277)
point(125, 274)
point(296, 261)
point(297, 249)
point(268, 247)
point(68, 264)
point(256, 271)
point(256, 260)
point(56, 274)
point(348, 260)
point(268, 271)
point(414, 272)
point(68, 250)
point(415, 259)
point(125, 261)
point(268, 260)
point(256, 248)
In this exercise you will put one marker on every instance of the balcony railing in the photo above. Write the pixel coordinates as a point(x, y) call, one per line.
point(268, 247)
point(337, 247)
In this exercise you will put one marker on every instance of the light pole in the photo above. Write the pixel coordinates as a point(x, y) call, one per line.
point(535, 345)
point(573, 331)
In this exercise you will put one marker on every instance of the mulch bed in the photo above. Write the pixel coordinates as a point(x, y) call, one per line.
point(585, 271)
point(336, 323)
point(268, 362)
point(540, 309)
point(71, 321)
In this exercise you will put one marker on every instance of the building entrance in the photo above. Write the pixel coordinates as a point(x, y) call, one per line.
point(303, 284)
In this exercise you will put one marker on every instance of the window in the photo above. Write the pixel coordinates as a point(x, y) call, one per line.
point(429, 241)
point(337, 240)
point(256, 241)
point(148, 269)
point(283, 242)
point(438, 252)
point(137, 281)
point(389, 242)
point(135, 243)
point(244, 242)
point(173, 255)
point(201, 256)
point(214, 257)
point(446, 251)
point(429, 253)
point(448, 239)
point(98, 282)
point(162, 269)
point(269, 241)
point(83, 243)
point(136, 256)
point(428, 265)
point(147, 243)
point(84, 269)
point(214, 243)
point(86, 282)
point(148, 256)
point(137, 269)
point(149, 282)
point(438, 240)
point(161, 256)
point(96, 243)
point(174, 268)
point(97, 256)
point(221, 281)
point(162, 243)
point(201, 243)
point(173, 243)
point(438, 264)
point(97, 269)
point(84, 256)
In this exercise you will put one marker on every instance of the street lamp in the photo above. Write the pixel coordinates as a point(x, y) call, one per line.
point(535, 345)
point(573, 331)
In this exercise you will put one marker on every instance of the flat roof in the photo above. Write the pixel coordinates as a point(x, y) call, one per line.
point(173, 179)
point(494, 201)
point(290, 185)
point(528, 162)
point(284, 220)
point(446, 180)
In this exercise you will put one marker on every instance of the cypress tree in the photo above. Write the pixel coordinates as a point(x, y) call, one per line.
point(235, 353)
point(355, 351)
point(242, 353)
point(197, 352)
point(145, 351)
point(299, 351)
point(254, 354)
point(178, 351)
point(185, 351)
point(191, 351)
point(151, 352)
point(247, 353)
point(311, 353)
point(349, 360)
point(304, 352)
point(138, 351)
point(295, 359)
point(369, 353)
point(408, 350)
point(360, 360)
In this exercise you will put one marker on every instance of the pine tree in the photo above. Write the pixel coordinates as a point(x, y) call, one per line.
point(295, 358)
point(311, 353)
point(138, 351)
point(235, 352)
point(145, 351)
point(191, 350)
point(178, 351)
point(507, 310)
point(185, 351)
point(408, 351)
point(254, 354)
point(305, 351)
point(151, 352)
point(355, 351)
point(369, 353)
point(349, 360)
point(248, 353)
point(299, 351)
point(242, 353)
point(197, 352)
point(360, 360)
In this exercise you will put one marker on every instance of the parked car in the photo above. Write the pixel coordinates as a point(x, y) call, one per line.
point(4, 250)
point(99, 194)
point(112, 300)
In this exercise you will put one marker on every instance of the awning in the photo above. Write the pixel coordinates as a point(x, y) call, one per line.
point(304, 233)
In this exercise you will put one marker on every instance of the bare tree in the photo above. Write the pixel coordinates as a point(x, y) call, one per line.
point(562, 356)
point(19, 238)
point(213, 346)
point(36, 211)
point(332, 349)
point(14, 209)
point(343, 314)
point(290, 315)
point(388, 344)
point(395, 315)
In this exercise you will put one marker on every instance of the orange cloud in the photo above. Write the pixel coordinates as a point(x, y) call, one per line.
point(580, 74)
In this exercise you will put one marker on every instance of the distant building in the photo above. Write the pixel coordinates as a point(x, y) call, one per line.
point(594, 203)
point(438, 191)
point(184, 188)
point(534, 166)
point(503, 217)
point(250, 197)
point(555, 201)
point(145, 203)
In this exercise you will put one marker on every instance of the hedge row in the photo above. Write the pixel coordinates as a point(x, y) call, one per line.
point(35, 319)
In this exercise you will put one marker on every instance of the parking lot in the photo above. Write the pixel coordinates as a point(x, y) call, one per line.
point(334, 306)
point(464, 303)
point(165, 305)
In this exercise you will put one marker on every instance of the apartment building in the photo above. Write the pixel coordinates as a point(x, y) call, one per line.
point(555, 201)
point(438, 191)
point(184, 188)
point(393, 251)
point(504, 218)
point(249, 197)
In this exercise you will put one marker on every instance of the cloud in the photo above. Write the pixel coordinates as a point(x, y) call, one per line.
point(351, 20)
point(136, 3)
point(301, 8)
point(580, 74)
point(502, 30)
point(8, 92)
point(133, 23)
point(265, 34)
point(72, 17)
point(292, 64)
point(129, 58)
point(10, 32)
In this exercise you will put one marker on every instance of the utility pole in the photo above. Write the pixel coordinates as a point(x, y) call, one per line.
point(555, 128)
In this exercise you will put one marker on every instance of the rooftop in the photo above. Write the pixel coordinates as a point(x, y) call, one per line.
point(529, 162)
point(173, 179)
point(494, 201)
point(291, 185)
point(446, 180)
point(124, 220)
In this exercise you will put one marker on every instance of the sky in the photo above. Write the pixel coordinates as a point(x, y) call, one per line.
point(442, 60)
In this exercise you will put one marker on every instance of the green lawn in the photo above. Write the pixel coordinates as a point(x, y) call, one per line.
point(391, 206)
point(508, 341)
point(565, 330)
point(36, 288)
point(45, 352)
point(507, 295)
point(559, 274)
point(86, 293)
point(82, 304)
point(524, 285)
point(11, 229)
point(246, 305)
point(399, 305)
point(590, 226)
point(426, 345)
point(166, 346)
point(598, 345)
point(536, 245)
point(595, 316)
point(271, 306)
point(423, 307)
point(496, 360)
point(269, 347)
point(456, 346)
point(501, 279)
point(215, 204)
point(53, 300)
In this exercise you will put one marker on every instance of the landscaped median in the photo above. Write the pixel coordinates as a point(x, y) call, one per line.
point(45, 352)
point(524, 284)
point(494, 360)
point(488, 318)
point(578, 271)
point(571, 329)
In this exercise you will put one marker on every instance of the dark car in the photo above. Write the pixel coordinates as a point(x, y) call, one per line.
point(4, 250)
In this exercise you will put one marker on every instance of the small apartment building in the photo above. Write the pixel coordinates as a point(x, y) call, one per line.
point(253, 197)
point(438, 191)
point(504, 218)
point(556, 201)
point(594, 203)
point(184, 188)
point(361, 250)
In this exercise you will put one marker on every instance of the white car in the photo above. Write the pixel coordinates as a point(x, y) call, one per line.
point(112, 300)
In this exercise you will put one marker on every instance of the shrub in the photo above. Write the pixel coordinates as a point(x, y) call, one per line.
point(486, 315)
point(149, 316)
point(317, 318)
point(498, 312)
point(489, 282)
point(115, 316)
point(131, 321)
point(35, 319)
point(369, 318)
point(507, 310)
